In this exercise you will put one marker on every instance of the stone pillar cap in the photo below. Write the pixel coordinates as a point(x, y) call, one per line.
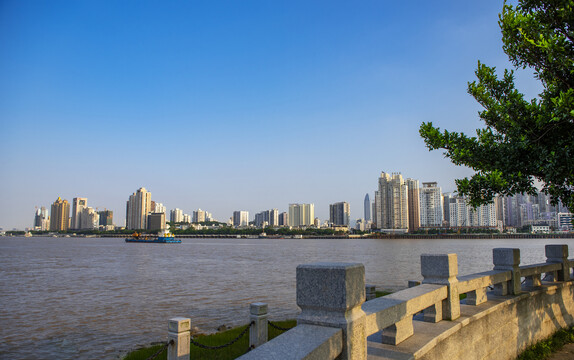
point(179, 324)
point(330, 286)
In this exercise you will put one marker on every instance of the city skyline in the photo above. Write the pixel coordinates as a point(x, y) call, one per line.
point(317, 98)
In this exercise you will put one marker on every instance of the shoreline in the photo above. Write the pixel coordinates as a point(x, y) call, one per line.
point(357, 237)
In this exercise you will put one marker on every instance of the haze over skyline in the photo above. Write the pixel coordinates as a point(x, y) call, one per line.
point(233, 106)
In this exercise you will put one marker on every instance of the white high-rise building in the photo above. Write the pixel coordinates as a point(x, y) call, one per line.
point(78, 205)
point(240, 218)
point(431, 209)
point(463, 215)
point(176, 215)
point(159, 208)
point(391, 203)
point(199, 216)
point(137, 209)
point(90, 219)
point(301, 215)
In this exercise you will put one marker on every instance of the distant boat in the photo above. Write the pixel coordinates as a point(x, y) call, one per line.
point(28, 234)
point(164, 237)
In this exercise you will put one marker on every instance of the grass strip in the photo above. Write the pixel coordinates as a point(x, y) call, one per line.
point(231, 352)
point(545, 348)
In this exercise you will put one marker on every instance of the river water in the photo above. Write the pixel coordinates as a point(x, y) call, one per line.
point(95, 298)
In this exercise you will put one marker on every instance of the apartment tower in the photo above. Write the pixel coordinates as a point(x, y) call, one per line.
point(137, 209)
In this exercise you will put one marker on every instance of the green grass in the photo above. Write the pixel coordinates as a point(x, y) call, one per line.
point(231, 352)
point(545, 348)
point(381, 293)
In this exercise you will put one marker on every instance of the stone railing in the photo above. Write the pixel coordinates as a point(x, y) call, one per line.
point(335, 319)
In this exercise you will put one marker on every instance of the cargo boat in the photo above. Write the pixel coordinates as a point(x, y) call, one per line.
point(164, 237)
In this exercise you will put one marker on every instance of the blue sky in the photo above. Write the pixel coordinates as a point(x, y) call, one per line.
point(232, 105)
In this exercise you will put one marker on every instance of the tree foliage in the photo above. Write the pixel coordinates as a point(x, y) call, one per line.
point(523, 141)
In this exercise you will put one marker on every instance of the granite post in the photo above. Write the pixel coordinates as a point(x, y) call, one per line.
point(258, 331)
point(331, 295)
point(558, 254)
point(179, 331)
point(507, 259)
point(442, 270)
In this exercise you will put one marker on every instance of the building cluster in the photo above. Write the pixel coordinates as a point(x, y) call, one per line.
point(83, 217)
point(400, 205)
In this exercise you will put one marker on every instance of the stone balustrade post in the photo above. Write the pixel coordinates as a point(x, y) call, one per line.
point(507, 259)
point(179, 331)
point(559, 254)
point(370, 292)
point(258, 331)
point(442, 270)
point(331, 294)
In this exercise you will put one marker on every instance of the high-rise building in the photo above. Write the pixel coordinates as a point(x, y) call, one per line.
point(106, 218)
point(176, 215)
point(284, 219)
point(267, 218)
point(367, 208)
point(464, 215)
point(301, 214)
point(198, 216)
point(446, 201)
point(240, 218)
point(156, 221)
point(158, 208)
point(340, 213)
point(137, 209)
point(431, 210)
point(60, 215)
point(89, 219)
point(41, 219)
point(413, 204)
point(78, 205)
point(391, 202)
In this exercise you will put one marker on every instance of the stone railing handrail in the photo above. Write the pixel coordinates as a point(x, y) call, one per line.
point(313, 342)
point(539, 269)
point(482, 280)
point(335, 319)
point(399, 307)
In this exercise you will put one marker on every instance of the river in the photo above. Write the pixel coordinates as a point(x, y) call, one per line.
point(95, 298)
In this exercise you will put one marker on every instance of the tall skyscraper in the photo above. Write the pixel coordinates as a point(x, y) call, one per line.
point(60, 215)
point(240, 218)
point(431, 209)
point(367, 207)
point(176, 215)
point(137, 209)
point(78, 205)
point(340, 213)
point(391, 202)
point(301, 214)
point(414, 204)
point(41, 219)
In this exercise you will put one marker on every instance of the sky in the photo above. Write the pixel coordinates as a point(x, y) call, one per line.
point(233, 105)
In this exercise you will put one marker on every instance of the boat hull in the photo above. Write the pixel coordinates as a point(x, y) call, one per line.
point(155, 241)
